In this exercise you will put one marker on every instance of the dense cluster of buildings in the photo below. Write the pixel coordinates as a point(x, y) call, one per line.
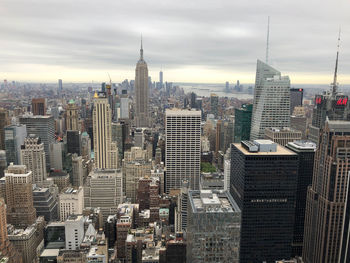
point(142, 172)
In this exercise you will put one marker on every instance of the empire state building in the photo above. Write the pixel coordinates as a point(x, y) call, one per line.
point(141, 92)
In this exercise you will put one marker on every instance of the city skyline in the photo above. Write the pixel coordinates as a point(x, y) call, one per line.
point(60, 40)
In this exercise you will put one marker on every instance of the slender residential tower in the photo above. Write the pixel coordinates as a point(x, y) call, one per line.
point(102, 118)
point(141, 92)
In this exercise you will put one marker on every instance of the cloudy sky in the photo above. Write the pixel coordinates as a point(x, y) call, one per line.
point(191, 40)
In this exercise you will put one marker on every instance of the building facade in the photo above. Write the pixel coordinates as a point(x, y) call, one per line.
point(45, 204)
point(271, 105)
point(102, 118)
point(71, 116)
point(104, 189)
point(183, 148)
point(14, 138)
point(282, 136)
point(141, 92)
point(296, 98)
point(39, 106)
point(326, 198)
point(243, 122)
point(306, 153)
point(213, 230)
point(19, 196)
point(33, 156)
point(44, 128)
point(70, 202)
point(263, 184)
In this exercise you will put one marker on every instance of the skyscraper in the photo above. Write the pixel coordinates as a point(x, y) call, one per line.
point(39, 106)
point(296, 98)
point(141, 92)
point(243, 122)
point(60, 86)
point(183, 148)
point(282, 136)
point(213, 229)
point(19, 196)
point(71, 202)
point(332, 104)
point(6, 248)
point(45, 203)
point(72, 116)
point(44, 128)
point(102, 118)
point(14, 138)
point(3, 123)
point(73, 141)
point(161, 79)
point(271, 105)
point(263, 184)
point(104, 189)
point(124, 105)
point(3, 163)
point(214, 104)
point(193, 100)
point(77, 170)
point(326, 197)
point(33, 156)
point(306, 153)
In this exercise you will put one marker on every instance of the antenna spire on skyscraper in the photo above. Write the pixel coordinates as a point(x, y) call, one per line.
point(335, 84)
point(141, 50)
point(267, 40)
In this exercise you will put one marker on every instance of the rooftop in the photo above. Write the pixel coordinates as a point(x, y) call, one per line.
point(284, 129)
point(212, 201)
point(182, 112)
point(339, 125)
point(30, 116)
point(280, 150)
point(50, 252)
point(303, 145)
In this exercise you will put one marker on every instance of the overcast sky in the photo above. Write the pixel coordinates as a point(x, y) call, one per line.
point(191, 40)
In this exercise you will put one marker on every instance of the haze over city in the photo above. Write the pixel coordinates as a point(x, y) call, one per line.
point(191, 41)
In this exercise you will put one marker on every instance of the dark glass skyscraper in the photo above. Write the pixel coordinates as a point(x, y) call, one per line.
point(44, 128)
point(263, 183)
point(243, 121)
point(296, 98)
point(73, 142)
point(306, 153)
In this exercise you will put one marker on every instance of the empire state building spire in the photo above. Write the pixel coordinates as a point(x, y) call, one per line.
point(141, 50)
point(141, 92)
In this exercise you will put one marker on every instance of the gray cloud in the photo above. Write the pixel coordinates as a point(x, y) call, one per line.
point(220, 35)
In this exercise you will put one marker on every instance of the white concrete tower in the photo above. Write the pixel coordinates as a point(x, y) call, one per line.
point(183, 148)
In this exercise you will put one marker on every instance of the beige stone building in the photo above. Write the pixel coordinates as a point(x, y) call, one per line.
point(104, 189)
point(19, 196)
point(33, 156)
point(136, 164)
point(102, 118)
point(72, 123)
point(29, 241)
point(282, 136)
